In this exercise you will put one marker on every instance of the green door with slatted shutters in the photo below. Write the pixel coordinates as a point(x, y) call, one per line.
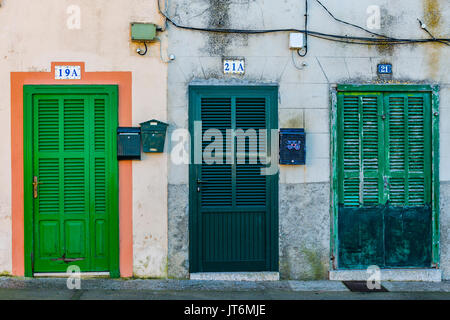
point(233, 206)
point(71, 177)
point(384, 179)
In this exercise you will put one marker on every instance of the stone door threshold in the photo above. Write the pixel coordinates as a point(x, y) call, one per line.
point(66, 275)
point(429, 275)
point(236, 276)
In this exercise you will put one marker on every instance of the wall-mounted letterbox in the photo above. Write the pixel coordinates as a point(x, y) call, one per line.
point(128, 143)
point(292, 146)
point(153, 136)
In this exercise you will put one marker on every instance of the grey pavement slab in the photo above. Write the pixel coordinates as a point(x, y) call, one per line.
point(317, 286)
point(144, 289)
point(443, 286)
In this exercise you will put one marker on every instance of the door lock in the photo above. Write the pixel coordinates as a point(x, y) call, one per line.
point(199, 183)
point(35, 186)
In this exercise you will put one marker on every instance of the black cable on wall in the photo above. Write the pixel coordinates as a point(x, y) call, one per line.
point(382, 40)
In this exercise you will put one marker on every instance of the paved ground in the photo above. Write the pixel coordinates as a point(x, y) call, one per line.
point(107, 289)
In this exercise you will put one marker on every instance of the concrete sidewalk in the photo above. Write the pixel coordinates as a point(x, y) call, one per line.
point(56, 288)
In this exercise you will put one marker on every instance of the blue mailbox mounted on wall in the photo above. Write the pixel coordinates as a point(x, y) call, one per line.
point(292, 146)
point(128, 143)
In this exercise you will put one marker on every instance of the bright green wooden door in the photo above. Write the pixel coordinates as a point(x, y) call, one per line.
point(233, 219)
point(385, 185)
point(74, 164)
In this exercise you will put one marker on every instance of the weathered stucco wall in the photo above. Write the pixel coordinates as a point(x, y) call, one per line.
point(35, 33)
point(304, 100)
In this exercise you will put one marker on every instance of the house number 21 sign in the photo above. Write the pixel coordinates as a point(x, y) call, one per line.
point(67, 72)
point(233, 66)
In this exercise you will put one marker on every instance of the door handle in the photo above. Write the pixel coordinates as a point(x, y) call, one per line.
point(67, 260)
point(35, 186)
point(199, 183)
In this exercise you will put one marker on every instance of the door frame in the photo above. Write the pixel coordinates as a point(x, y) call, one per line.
point(195, 92)
point(28, 92)
point(433, 90)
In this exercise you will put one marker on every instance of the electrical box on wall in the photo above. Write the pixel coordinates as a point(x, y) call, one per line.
point(296, 41)
point(128, 143)
point(143, 31)
point(292, 146)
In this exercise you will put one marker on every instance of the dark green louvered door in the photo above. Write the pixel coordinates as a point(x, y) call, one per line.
point(233, 219)
point(74, 180)
point(384, 180)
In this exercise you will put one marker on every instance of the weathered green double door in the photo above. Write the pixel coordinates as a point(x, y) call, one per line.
point(233, 206)
point(384, 164)
point(71, 177)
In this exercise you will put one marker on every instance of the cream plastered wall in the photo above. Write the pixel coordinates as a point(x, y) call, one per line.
point(33, 33)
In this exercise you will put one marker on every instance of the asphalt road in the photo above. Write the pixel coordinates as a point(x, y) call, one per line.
point(100, 294)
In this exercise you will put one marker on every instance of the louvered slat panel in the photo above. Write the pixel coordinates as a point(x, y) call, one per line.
point(48, 125)
point(397, 133)
point(216, 114)
point(99, 124)
point(74, 186)
point(397, 191)
point(370, 192)
point(250, 186)
point(370, 133)
point(217, 190)
point(49, 187)
point(416, 192)
point(250, 118)
point(251, 113)
point(351, 141)
point(360, 143)
point(74, 117)
point(351, 192)
point(416, 136)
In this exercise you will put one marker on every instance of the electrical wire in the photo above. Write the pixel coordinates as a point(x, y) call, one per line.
point(139, 51)
point(353, 25)
point(331, 37)
point(299, 52)
point(160, 51)
point(295, 65)
point(422, 25)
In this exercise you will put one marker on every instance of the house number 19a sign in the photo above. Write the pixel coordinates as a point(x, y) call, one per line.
point(67, 72)
point(232, 66)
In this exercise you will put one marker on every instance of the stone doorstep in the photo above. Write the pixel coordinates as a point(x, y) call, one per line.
point(424, 275)
point(67, 275)
point(236, 276)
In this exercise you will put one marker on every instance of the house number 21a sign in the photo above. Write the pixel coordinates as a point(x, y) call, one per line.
point(233, 66)
point(67, 72)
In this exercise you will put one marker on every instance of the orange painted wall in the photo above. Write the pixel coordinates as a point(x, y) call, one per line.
point(18, 80)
